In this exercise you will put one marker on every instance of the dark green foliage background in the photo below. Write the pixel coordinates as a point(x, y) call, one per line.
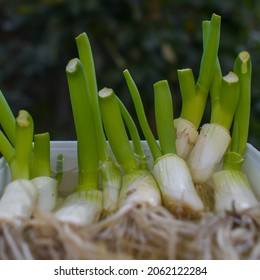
point(151, 38)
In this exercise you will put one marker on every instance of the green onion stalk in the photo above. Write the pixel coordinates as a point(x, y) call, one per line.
point(84, 205)
point(170, 171)
point(231, 186)
point(194, 95)
point(41, 174)
point(138, 185)
point(110, 173)
point(20, 196)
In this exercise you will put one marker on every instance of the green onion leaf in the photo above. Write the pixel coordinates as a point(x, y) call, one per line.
point(155, 150)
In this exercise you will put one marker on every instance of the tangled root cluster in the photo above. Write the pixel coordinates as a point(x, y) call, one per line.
point(136, 233)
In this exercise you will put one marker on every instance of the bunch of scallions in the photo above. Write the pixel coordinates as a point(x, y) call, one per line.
point(32, 187)
point(184, 159)
point(192, 169)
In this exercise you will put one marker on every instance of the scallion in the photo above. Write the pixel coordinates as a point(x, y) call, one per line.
point(138, 185)
point(214, 138)
point(20, 195)
point(231, 186)
point(194, 95)
point(87, 196)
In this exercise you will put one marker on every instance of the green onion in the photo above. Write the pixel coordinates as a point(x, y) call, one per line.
point(110, 173)
point(169, 170)
point(231, 185)
point(86, 195)
point(194, 101)
point(20, 193)
point(194, 95)
point(138, 185)
point(85, 131)
point(214, 138)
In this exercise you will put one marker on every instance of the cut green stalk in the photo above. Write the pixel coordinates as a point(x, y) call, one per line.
point(21, 193)
point(20, 166)
point(224, 102)
point(135, 182)
point(214, 138)
point(139, 151)
point(84, 206)
point(110, 117)
point(232, 188)
point(86, 139)
point(111, 177)
point(41, 173)
point(164, 112)
point(7, 119)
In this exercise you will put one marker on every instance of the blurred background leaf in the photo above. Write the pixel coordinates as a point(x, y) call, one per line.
point(151, 38)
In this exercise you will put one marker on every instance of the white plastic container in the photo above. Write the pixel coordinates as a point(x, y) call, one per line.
point(68, 149)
